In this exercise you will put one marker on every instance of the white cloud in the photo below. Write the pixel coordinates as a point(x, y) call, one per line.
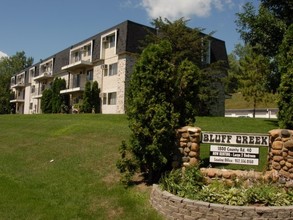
point(3, 54)
point(174, 9)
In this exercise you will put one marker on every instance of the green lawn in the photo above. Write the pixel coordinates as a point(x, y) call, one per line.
point(63, 166)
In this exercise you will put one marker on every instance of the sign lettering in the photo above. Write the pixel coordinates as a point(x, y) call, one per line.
point(234, 155)
point(236, 139)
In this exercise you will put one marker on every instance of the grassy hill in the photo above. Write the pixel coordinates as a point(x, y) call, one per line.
point(237, 101)
point(63, 166)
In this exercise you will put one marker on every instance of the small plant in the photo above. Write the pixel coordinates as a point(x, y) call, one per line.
point(268, 195)
point(190, 184)
point(126, 165)
point(184, 184)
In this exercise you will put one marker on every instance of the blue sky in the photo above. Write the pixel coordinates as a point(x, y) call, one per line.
point(42, 28)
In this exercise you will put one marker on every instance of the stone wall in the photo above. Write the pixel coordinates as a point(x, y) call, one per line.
point(188, 147)
point(174, 207)
point(280, 168)
point(281, 153)
point(280, 157)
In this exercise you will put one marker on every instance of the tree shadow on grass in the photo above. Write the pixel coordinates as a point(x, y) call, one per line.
point(274, 122)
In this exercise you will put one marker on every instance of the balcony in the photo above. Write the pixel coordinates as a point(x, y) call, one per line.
point(72, 90)
point(81, 64)
point(80, 57)
point(17, 98)
point(43, 76)
point(38, 93)
point(18, 85)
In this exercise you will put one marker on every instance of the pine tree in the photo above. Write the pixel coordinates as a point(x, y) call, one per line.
point(46, 101)
point(96, 101)
point(87, 98)
point(285, 102)
point(161, 98)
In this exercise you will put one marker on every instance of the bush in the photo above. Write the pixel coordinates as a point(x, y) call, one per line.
point(159, 100)
point(184, 184)
point(191, 184)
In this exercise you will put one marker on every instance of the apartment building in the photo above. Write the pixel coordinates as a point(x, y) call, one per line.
point(107, 58)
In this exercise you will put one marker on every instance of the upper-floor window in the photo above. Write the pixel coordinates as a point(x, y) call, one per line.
point(12, 81)
point(82, 52)
point(46, 67)
point(111, 40)
point(90, 75)
point(113, 70)
point(32, 73)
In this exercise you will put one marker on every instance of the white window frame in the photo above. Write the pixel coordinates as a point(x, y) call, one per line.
point(106, 44)
point(82, 50)
point(49, 65)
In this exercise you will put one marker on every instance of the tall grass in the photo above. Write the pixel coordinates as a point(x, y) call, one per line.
point(63, 166)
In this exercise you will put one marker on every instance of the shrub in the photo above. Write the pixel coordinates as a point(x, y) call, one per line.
point(184, 184)
point(191, 184)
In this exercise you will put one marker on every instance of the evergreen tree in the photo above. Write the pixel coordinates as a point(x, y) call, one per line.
point(46, 101)
point(286, 87)
point(87, 98)
point(96, 101)
point(190, 44)
point(59, 101)
point(233, 73)
point(161, 97)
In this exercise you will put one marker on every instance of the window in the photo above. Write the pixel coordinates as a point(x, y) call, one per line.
point(76, 56)
point(89, 50)
point(113, 69)
point(110, 41)
point(104, 98)
point(89, 75)
point(109, 98)
point(33, 89)
point(112, 98)
point(31, 106)
point(76, 81)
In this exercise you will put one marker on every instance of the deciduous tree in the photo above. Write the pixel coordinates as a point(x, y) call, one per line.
point(253, 79)
point(10, 66)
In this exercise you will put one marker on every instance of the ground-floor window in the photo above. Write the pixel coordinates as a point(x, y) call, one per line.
point(110, 98)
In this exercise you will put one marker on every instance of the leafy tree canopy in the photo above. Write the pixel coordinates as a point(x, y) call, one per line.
point(261, 28)
point(187, 43)
point(254, 77)
point(10, 66)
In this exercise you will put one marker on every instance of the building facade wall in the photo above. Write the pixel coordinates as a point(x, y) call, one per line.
point(103, 54)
